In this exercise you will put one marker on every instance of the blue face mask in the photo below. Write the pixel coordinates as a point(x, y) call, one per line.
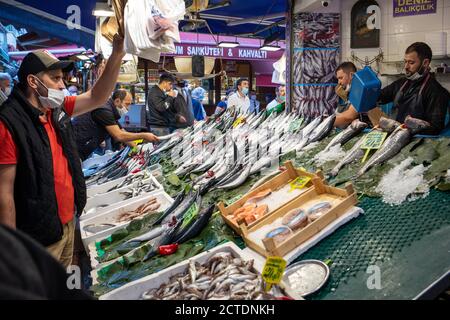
point(245, 91)
point(282, 98)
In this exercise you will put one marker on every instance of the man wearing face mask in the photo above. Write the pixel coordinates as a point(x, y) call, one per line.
point(344, 75)
point(94, 127)
point(162, 116)
point(5, 87)
point(254, 104)
point(418, 94)
point(277, 105)
point(41, 182)
point(239, 100)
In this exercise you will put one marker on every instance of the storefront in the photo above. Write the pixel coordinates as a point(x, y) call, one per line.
point(245, 61)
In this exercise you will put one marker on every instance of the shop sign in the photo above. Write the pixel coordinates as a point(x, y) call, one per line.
point(414, 7)
point(225, 53)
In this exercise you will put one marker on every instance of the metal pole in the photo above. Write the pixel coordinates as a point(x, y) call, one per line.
point(146, 79)
point(289, 60)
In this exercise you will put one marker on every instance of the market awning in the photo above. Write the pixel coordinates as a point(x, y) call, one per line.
point(49, 19)
point(246, 18)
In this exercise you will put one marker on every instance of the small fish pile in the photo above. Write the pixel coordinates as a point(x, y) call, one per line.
point(149, 207)
point(141, 188)
point(131, 179)
point(222, 277)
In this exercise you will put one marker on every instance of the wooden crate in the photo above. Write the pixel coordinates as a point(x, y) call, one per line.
point(276, 183)
point(344, 199)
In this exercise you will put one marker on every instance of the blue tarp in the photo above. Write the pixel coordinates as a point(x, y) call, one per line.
point(52, 23)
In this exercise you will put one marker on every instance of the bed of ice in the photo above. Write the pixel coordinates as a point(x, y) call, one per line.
point(334, 153)
point(404, 182)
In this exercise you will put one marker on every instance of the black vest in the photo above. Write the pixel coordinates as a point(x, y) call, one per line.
point(34, 187)
point(88, 133)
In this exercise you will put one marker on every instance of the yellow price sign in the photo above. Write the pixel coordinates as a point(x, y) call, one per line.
point(299, 183)
point(238, 121)
point(273, 271)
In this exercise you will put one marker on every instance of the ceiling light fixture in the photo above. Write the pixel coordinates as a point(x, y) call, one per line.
point(102, 10)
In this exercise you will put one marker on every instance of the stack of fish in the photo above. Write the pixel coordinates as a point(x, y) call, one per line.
point(222, 277)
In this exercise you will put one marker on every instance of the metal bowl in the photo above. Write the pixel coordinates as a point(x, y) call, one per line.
point(306, 277)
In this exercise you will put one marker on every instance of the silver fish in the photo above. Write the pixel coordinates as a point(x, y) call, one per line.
point(323, 130)
point(388, 125)
point(240, 180)
point(152, 234)
point(96, 228)
point(353, 154)
point(347, 134)
point(395, 143)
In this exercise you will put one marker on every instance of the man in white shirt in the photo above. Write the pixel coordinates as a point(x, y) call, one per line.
point(278, 101)
point(239, 100)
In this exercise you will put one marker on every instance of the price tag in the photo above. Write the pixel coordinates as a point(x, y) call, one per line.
point(295, 125)
point(138, 141)
point(299, 183)
point(237, 122)
point(190, 215)
point(273, 271)
point(373, 141)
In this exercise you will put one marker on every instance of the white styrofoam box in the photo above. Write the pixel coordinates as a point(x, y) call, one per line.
point(438, 43)
point(103, 188)
point(112, 200)
point(110, 217)
point(98, 160)
point(134, 290)
point(124, 188)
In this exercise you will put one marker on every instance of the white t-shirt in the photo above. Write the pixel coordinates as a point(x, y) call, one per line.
point(240, 103)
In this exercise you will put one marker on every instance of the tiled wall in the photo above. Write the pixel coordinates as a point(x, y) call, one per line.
point(398, 33)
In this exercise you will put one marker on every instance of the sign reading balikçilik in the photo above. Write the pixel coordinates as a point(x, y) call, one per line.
point(414, 7)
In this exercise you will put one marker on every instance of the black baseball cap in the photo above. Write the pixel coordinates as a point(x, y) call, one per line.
point(41, 60)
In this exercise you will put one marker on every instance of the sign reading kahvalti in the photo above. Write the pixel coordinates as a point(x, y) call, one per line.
point(414, 7)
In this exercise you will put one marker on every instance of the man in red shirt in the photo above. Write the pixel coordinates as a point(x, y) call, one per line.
point(41, 182)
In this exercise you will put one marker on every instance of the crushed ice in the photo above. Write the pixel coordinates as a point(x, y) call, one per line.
point(403, 182)
point(332, 154)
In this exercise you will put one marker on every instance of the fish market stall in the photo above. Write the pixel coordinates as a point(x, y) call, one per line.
point(225, 181)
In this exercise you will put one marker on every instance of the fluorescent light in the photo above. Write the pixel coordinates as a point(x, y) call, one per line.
point(270, 48)
point(103, 13)
point(228, 44)
point(82, 57)
point(102, 10)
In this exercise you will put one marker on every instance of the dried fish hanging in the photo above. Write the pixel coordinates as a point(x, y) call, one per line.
point(315, 59)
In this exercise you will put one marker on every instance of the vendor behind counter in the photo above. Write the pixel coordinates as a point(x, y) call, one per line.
point(418, 94)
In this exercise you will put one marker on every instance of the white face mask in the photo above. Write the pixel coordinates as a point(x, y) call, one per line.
point(417, 75)
point(54, 99)
point(122, 111)
point(8, 91)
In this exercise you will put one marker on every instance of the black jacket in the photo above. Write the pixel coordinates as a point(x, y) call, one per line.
point(88, 133)
point(28, 271)
point(34, 189)
point(161, 111)
point(432, 108)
